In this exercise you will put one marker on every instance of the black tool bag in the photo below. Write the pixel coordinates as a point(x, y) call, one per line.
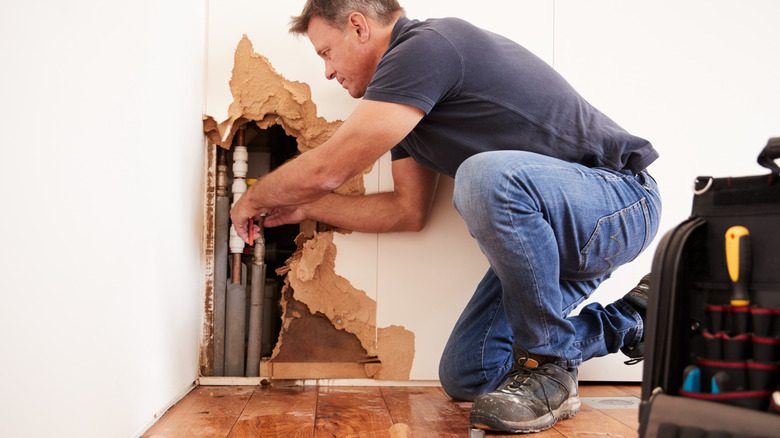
point(712, 335)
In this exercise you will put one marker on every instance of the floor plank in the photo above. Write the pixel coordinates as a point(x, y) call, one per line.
point(278, 412)
point(428, 411)
point(352, 412)
point(593, 422)
point(628, 417)
point(635, 390)
point(207, 411)
point(590, 390)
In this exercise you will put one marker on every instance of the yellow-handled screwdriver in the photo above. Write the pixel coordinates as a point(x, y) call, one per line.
point(740, 263)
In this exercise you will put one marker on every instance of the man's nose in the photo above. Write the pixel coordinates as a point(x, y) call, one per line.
point(330, 72)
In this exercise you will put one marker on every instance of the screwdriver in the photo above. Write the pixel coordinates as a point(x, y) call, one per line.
point(740, 263)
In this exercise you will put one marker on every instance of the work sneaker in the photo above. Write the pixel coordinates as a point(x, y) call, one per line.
point(536, 395)
point(637, 298)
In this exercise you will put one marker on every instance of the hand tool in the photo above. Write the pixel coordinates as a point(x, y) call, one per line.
point(740, 263)
point(691, 379)
point(774, 402)
point(720, 382)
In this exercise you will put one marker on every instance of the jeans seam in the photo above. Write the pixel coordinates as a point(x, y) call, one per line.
point(485, 338)
point(538, 302)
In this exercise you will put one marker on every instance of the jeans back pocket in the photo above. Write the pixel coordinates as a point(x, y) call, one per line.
point(618, 239)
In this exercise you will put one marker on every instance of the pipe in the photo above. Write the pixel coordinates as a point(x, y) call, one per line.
point(256, 305)
point(235, 328)
point(235, 323)
point(222, 225)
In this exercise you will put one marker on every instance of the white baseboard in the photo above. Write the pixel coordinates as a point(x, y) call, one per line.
point(251, 381)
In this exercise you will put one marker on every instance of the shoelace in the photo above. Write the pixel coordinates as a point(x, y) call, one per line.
point(521, 377)
point(633, 360)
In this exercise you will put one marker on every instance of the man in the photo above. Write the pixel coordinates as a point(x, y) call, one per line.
point(555, 193)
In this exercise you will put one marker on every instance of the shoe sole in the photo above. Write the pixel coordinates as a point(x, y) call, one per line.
point(566, 410)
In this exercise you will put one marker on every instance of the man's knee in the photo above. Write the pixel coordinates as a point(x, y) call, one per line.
point(457, 380)
point(476, 179)
point(465, 180)
point(454, 384)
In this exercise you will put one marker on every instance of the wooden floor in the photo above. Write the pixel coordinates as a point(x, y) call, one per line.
point(393, 412)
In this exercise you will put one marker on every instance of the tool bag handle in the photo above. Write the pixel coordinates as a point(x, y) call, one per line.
point(770, 153)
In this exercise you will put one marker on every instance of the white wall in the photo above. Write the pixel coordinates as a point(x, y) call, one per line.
point(101, 223)
point(697, 78)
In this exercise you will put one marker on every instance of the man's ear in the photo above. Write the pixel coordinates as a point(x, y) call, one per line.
point(358, 24)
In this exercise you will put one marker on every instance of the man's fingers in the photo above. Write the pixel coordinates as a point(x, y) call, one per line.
point(241, 231)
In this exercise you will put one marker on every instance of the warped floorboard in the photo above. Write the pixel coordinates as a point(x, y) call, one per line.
point(392, 412)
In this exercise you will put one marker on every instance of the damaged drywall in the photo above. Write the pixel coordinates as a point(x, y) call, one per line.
point(311, 274)
point(315, 299)
point(313, 277)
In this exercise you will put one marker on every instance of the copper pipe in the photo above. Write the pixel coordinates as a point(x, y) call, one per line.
point(240, 136)
point(236, 277)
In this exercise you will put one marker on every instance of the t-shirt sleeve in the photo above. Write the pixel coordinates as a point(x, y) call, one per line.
point(398, 152)
point(420, 70)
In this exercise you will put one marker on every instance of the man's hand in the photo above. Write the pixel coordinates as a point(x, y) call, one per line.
point(284, 215)
point(240, 215)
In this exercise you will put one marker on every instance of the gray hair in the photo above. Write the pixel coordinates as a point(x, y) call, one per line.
point(336, 12)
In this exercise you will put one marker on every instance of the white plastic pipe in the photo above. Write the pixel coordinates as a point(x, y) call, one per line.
point(240, 166)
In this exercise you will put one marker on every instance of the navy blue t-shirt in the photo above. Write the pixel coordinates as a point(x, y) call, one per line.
point(483, 92)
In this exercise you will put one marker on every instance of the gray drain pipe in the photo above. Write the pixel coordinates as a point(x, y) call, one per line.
point(222, 225)
point(256, 307)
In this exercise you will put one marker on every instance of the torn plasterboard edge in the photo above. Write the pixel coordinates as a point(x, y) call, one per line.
point(395, 349)
point(262, 95)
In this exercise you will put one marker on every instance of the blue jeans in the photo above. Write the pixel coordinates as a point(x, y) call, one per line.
point(552, 231)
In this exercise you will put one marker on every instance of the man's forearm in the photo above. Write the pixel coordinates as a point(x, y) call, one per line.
point(374, 213)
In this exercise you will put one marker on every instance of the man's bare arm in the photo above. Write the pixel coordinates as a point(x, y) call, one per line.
point(372, 129)
point(406, 208)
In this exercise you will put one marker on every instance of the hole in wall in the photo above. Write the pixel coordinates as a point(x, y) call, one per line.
point(268, 149)
point(310, 336)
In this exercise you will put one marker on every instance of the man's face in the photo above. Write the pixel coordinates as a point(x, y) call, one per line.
point(347, 57)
